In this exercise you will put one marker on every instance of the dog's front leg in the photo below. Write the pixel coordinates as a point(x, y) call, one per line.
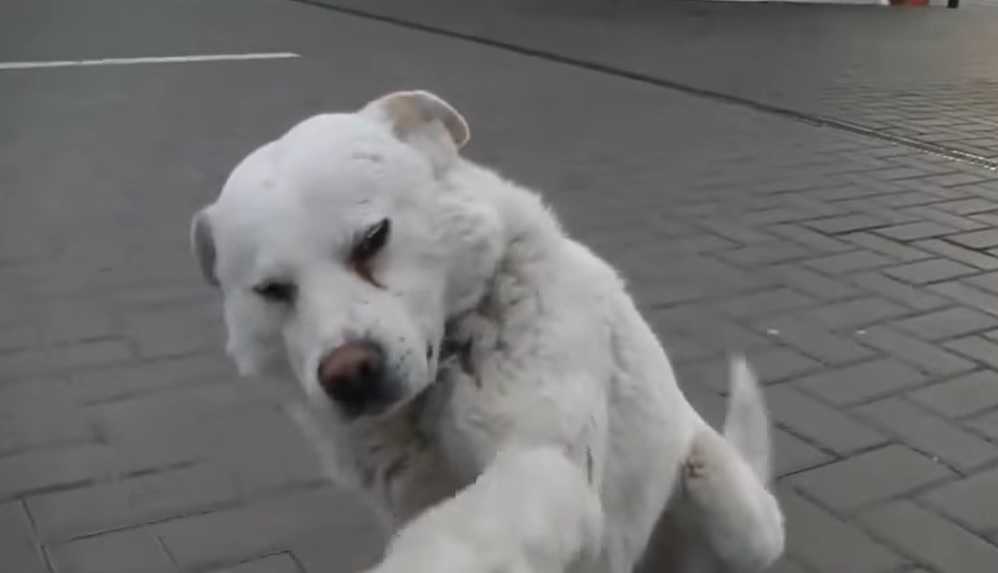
point(531, 511)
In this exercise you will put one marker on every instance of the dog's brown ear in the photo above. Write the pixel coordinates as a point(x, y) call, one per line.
point(423, 120)
point(411, 111)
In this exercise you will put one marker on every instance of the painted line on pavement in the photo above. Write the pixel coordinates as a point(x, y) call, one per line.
point(149, 60)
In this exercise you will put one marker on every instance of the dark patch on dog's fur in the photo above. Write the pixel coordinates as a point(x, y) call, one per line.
point(458, 352)
point(589, 465)
point(394, 468)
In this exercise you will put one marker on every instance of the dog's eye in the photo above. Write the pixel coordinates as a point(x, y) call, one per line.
point(372, 241)
point(277, 291)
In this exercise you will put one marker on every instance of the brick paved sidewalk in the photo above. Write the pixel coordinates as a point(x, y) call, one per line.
point(860, 275)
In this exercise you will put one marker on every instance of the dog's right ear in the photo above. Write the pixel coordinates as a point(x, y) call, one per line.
point(423, 120)
point(203, 245)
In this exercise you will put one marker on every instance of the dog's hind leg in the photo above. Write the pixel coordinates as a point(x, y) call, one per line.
point(724, 503)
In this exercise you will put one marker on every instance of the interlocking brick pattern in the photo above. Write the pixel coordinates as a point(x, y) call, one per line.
point(859, 276)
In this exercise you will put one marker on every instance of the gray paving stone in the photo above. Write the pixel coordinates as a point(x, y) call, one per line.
point(138, 378)
point(169, 428)
point(934, 540)
point(967, 206)
point(908, 295)
point(977, 239)
point(787, 565)
point(822, 542)
point(930, 434)
point(279, 563)
point(829, 427)
point(905, 199)
point(681, 349)
point(317, 555)
point(35, 415)
point(41, 470)
point(955, 179)
point(144, 499)
point(16, 338)
point(849, 262)
point(765, 303)
point(858, 482)
point(845, 224)
point(931, 271)
point(968, 295)
point(861, 382)
point(947, 323)
point(893, 249)
point(766, 254)
point(858, 313)
point(915, 231)
point(962, 396)
point(779, 364)
point(708, 329)
point(175, 331)
point(734, 231)
point(63, 359)
point(865, 205)
point(980, 349)
point(18, 549)
point(956, 252)
point(813, 340)
point(987, 281)
point(266, 452)
point(971, 501)
point(268, 526)
point(814, 241)
point(793, 454)
point(924, 356)
point(985, 424)
point(126, 551)
point(812, 283)
point(946, 219)
point(70, 322)
point(986, 218)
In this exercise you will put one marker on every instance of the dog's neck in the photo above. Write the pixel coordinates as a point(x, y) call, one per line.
point(528, 237)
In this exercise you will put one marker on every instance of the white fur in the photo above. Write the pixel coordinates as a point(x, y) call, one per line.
point(560, 420)
point(495, 524)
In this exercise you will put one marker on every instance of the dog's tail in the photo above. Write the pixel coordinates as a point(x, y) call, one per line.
point(746, 425)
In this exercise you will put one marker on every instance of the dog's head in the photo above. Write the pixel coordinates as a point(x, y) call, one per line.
point(342, 248)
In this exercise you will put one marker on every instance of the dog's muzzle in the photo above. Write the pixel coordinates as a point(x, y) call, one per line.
point(356, 377)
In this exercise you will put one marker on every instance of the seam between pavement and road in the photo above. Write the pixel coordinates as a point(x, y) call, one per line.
point(795, 115)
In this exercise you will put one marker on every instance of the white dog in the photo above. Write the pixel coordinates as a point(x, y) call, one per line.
point(487, 379)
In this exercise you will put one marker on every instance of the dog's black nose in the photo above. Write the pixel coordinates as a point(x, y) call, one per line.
point(354, 375)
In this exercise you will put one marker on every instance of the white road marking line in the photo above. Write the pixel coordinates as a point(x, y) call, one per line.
point(153, 60)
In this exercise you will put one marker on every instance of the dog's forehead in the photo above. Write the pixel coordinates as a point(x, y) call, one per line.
point(330, 168)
